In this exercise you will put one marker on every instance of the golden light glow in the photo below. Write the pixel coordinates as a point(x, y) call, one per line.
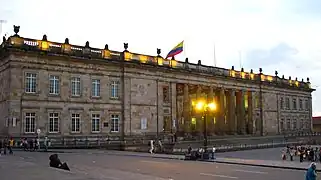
point(243, 75)
point(159, 61)
point(43, 45)
point(173, 63)
point(106, 54)
point(193, 103)
point(128, 56)
point(270, 78)
point(252, 76)
point(16, 41)
point(262, 77)
point(232, 73)
point(297, 83)
point(66, 48)
point(212, 106)
point(143, 59)
point(193, 121)
point(200, 105)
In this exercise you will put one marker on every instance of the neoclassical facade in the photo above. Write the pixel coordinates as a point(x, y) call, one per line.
point(68, 90)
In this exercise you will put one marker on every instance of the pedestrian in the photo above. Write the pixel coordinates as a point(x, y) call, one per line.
point(5, 146)
point(10, 145)
point(151, 146)
point(311, 173)
point(213, 152)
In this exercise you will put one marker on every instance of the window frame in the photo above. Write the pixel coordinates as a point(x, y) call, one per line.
point(115, 127)
point(95, 117)
point(75, 117)
point(114, 89)
point(55, 79)
point(55, 122)
point(95, 88)
point(30, 116)
point(30, 87)
point(75, 90)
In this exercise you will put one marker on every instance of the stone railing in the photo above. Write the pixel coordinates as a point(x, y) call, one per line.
point(86, 51)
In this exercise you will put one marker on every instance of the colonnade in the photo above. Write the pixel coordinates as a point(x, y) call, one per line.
point(233, 114)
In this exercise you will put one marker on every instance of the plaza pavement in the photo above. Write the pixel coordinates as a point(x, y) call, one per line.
point(113, 165)
point(260, 157)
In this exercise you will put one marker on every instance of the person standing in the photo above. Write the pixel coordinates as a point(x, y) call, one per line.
point(311, 173)
point(151, 146)
point(213, 152)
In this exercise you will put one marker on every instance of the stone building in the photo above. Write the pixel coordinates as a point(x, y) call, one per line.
point(68, 90)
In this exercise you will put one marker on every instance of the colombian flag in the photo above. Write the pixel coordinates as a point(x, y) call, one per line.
point(176, 50)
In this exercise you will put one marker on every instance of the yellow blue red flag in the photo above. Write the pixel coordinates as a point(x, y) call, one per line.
point(176, 50)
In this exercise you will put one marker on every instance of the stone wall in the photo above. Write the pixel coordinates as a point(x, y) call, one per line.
point(142, 83)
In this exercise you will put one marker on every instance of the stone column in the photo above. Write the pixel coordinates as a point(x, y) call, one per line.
point(199, 120)
point(250, 112)
point(240, 112)
point(210, 118)
point(231, 112)
point(221, 112)
point(186, 109)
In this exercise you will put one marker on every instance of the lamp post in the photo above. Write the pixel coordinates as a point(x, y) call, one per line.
point(205, 107)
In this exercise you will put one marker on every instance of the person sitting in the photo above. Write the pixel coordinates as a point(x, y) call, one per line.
point(56, 163)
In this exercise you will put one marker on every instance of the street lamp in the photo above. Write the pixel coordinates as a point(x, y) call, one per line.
point(204, 107)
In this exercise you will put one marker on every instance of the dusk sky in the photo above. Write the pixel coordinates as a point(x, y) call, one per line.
point(282, 35)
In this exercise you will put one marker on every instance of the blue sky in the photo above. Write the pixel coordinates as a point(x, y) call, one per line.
point(282, 35)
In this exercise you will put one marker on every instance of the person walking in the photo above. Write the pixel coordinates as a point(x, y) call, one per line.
point(311, 173)
point(10, 145)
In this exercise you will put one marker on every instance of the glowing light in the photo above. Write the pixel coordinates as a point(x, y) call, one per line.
point(243, 75)
point(43, 45)
point(143, 58)
point(270, 78)
point(199, 105)
point(252, 76)
point(160, 61)
point(212, 106)
point(128, 56)
point(232, 73)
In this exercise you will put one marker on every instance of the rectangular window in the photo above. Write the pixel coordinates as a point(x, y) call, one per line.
point(75, 86)
point(287, 103)
point(294, 124)
point(54, 86)
point(114, 123)
point(95, 88)
point(53, 122)
point(282, 125)
point(288, 124)
point(301, 124)
point(166, 94)
point(300, 104)
point(294, 103)
point(95, 122)
point(75, 122)
point(115, 89)
point(306, 105)
point(31, 83)
point(30, 122)
point(281, 103)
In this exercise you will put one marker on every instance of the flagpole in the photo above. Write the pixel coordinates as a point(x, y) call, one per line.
point(184, 48)
point(214, 56)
